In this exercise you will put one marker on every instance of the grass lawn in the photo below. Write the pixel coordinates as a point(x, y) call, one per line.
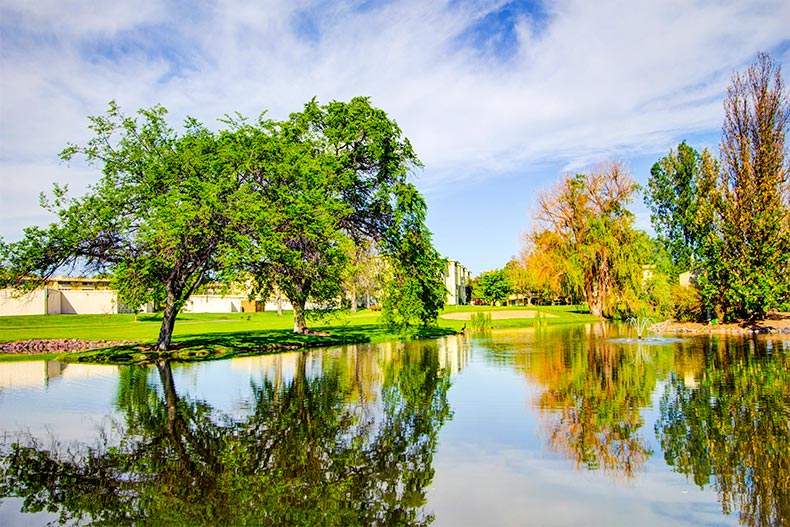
point(215, 335)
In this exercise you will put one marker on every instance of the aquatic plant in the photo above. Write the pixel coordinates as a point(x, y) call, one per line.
point(480, 321)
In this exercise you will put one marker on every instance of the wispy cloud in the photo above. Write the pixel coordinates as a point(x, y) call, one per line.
point(481, 88)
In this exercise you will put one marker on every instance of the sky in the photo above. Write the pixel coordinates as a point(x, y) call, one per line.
point(499, 99)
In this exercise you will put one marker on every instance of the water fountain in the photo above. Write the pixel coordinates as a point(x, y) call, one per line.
point(640, 324)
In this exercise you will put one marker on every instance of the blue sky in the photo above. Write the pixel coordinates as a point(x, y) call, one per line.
point(498, 98)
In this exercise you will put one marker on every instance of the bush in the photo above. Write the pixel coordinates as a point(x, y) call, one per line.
point(687, 304)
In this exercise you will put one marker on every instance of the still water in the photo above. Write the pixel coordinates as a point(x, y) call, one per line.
point(555, 426)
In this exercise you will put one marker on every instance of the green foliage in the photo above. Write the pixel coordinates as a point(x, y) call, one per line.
point(648, 293)
point(752, 211)
point(687, 304)
point(328, 181)
point(673, 198)
point(415, 291)
point(493, 287)
point(731, 218)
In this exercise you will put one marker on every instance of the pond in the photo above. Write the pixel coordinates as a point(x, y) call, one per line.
point(560, 426)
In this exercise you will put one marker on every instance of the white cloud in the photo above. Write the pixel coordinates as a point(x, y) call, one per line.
point(79, 17)
point(587, 80)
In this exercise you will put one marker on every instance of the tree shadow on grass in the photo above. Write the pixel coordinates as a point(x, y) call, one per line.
point(199, 347)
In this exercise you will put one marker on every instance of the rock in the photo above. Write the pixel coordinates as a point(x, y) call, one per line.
point(56, 345)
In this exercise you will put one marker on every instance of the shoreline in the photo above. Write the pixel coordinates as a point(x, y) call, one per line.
point(46, 346)
point(774, 324)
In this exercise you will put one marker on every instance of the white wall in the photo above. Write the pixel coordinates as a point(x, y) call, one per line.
point(105, 301)
point(214, 304)
point(91, 302)
point(54, 302)
point(33, 303)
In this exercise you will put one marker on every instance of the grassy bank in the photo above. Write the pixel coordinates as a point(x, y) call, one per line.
point(216, 335)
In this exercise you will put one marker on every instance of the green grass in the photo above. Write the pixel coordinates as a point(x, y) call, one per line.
point(201, 336)
point(562, 315)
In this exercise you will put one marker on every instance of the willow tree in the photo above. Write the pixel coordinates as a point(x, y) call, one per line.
point(543, 260)
point(160, 219)
point(747, 258)
point(591, 234)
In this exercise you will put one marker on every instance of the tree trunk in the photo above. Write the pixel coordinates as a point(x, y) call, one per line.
point(594, 299)
point(168, 322)
point(353, 299)
point(300, 324)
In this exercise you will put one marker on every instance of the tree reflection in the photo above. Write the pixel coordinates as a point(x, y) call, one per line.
point(593, 394)
point(311, 451)
point(731, 428)
point(595, 391)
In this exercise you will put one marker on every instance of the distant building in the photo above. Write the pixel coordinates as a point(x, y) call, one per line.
point(689, 278)
point(456, 279)
point(63, 295)
point(69, 295)
point(647, 273)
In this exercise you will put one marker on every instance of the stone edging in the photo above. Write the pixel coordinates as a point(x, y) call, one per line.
point(723, 329)
point(36, 346)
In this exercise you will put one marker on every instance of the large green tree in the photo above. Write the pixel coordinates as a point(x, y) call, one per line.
point(493, 286)
point(161, 218)
point(334, 177)
point(673, 197)
point(284, 202)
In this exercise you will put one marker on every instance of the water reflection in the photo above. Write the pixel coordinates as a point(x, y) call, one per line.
point(724, 416)
point(340, 439)
point(347, 436)
point(730, 426)
point(591, 406)
point(30, 373)
point(592, 392)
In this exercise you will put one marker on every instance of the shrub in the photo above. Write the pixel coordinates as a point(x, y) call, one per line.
point(687, 304)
